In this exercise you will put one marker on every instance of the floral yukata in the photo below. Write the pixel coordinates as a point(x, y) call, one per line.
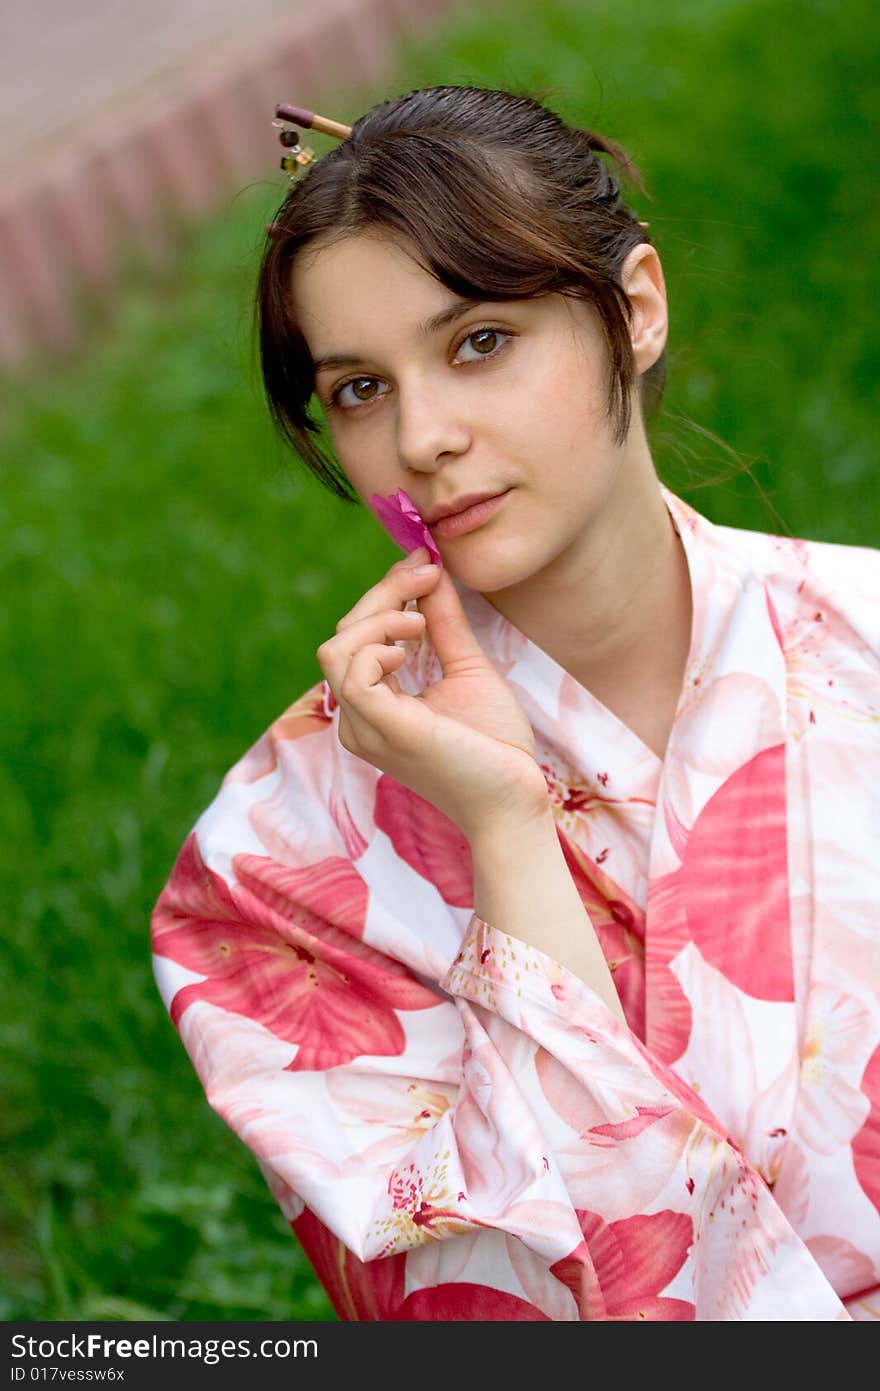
point(455, 1125)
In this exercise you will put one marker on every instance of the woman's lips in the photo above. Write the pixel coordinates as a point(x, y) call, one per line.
point(470, 518)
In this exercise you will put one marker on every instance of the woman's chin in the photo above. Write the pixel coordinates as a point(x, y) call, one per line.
point(486, 573)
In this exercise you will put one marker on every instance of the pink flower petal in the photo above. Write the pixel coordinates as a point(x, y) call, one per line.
point(866, 1144)
point(627, 1130)
point(847, 1268)
point(463, 1301)
point(740, 837)
point(402, 520)
point(359, 1290)
point(266, 955)
point(620, 1268)
point(426, 840)
point(638, 1256)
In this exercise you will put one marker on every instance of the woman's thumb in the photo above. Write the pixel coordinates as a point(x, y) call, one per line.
point(448, 628)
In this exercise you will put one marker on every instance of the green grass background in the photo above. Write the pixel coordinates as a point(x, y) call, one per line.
point(168, 573)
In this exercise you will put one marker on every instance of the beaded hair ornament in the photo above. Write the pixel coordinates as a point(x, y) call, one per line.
point(298, 156)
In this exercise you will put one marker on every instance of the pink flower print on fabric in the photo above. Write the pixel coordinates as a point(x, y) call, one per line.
point(463, 1301)
point(358, 1290)
point(426, 840)
point(309, 983)
point(402, 520)
point(621, 1268)
point(375, 1290)
point(866, 1144)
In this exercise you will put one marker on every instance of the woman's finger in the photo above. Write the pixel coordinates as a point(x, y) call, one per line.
point(335, 655)
point(366, 672)
point(394, 590)
point(373, 715)
point(452, 636)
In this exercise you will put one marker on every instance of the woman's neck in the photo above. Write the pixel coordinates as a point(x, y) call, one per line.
point(622, 626)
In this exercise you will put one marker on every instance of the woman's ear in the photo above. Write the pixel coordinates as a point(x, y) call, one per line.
point(642, 279)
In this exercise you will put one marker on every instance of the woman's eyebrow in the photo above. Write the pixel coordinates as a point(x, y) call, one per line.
point(456, 310)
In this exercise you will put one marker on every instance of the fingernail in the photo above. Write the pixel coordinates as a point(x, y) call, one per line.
point(416, 556)
point(423, 569)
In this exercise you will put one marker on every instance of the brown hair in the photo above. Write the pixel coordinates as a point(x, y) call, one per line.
point(501, 199)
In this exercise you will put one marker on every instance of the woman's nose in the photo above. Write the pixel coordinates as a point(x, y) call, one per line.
point(428, 426)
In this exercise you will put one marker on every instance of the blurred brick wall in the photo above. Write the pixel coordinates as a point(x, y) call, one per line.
point(123, 180)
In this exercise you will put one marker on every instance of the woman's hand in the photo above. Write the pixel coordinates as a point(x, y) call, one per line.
point(464, 743)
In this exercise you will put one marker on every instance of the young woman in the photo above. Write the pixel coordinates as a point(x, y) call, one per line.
point(534, 950)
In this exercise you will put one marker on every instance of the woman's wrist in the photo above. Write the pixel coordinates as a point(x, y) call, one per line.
point(527, 813)
point(528, 825)
point(523, 887)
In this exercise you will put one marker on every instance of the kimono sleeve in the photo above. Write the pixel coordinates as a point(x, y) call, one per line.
point(666, 1201)
point(502, 1107)
point(350, 1078)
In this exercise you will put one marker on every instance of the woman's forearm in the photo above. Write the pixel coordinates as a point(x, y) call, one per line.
point(523, 887)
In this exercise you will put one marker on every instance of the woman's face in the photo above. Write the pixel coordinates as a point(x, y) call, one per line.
point(504, 396)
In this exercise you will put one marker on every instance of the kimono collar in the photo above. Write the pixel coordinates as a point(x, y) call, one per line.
point(733, 641)
point(690, 852)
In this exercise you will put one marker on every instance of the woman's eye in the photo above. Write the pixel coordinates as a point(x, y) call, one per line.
point(479, 337)
point(483, 340)
point(356, 384)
